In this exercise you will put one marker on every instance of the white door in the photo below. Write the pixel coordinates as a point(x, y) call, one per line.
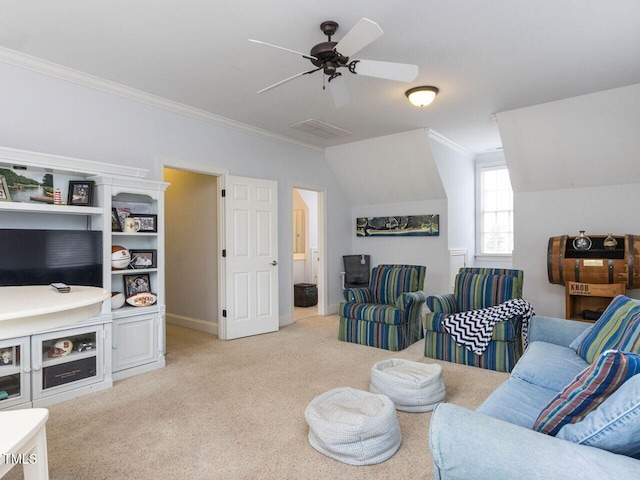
point(251, 271)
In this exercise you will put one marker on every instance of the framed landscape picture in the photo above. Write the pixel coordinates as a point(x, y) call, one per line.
point(26, 186)
point(405, 226)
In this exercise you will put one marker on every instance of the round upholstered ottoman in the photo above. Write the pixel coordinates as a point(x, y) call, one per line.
point(412, 386)
point(353, 426)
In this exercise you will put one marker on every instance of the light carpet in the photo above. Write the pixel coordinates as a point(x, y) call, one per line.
point(235, 410)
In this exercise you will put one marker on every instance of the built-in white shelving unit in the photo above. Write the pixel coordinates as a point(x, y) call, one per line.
point(119, 343)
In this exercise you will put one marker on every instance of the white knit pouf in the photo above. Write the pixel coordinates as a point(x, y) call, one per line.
point(353, 426)
point(412, 386)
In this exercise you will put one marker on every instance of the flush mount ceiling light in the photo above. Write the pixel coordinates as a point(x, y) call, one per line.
point(422, 96)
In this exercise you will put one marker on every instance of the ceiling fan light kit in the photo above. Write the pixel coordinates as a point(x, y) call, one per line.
point(330, 56)
point(422, 96)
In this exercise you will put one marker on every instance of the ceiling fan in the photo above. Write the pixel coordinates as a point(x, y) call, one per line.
point(331, 56)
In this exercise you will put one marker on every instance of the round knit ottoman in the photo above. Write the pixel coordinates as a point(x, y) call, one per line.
point(353, 426)
point(412, 386)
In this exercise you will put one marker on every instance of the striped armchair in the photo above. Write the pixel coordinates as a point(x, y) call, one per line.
point(476, 288)
point(387, 313)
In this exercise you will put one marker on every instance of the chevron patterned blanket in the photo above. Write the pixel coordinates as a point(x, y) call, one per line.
point(473, 329)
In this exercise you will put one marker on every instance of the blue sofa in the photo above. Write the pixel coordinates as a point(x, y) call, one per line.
point(498, 440)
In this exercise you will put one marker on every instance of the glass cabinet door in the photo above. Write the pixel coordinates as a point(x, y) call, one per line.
point(66, 359)
point(15, 372)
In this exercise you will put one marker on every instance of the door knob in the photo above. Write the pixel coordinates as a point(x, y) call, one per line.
point(274, 263)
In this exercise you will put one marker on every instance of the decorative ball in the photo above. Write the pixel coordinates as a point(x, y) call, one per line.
point(120, 257)
point(142, 299)
point(117, 300)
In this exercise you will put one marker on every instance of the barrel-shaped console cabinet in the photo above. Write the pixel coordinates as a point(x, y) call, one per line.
point(619, 267)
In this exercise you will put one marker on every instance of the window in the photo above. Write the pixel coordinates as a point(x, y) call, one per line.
point(495, 210)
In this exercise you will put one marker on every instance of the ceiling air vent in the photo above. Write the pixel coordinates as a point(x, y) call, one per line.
point(320, 129)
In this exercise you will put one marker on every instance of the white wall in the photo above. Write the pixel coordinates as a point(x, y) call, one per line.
point(541, 215)
point(311, 200)
point(389, 169)
point(431, 252)
point(191, 250)
point(573, 166)
point(47, 114)
point(412, 173)
point(457, 173)
point(583, 141)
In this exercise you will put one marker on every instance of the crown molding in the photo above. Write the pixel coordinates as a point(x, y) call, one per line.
point(46, 161)
point(39, 65)
point(435, 136)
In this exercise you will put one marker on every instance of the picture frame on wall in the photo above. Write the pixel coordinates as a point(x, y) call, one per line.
point(5, 196)
point(80, 193)
point(138, 283)
point(143, 258)
point(148, 222)
point(405, 226)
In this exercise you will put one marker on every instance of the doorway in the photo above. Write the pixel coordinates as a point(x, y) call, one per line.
point(308, 242)
point(191, 234)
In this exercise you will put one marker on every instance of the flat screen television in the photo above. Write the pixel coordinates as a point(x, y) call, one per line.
point(41, 257)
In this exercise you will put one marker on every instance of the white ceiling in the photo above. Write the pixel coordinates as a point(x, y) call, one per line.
point(485, 56)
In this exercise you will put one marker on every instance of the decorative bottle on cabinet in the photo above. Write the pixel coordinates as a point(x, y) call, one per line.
point(610, 242)
point(582, 242)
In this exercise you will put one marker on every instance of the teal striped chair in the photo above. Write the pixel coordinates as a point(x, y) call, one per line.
point(387, 314)
point(476, 288)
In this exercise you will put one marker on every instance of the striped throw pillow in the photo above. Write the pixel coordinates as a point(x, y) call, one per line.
point(630, 340)
point(610, 329)
point(587, 391)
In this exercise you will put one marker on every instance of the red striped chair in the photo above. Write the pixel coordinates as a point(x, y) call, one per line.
point(476, 288)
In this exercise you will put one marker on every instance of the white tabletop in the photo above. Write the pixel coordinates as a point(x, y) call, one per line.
point(18, 426)
point(26, 310)
point(20, 302)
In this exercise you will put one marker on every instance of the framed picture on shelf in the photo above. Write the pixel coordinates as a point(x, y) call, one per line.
point(122, 213)
point(148, 221)
point(115, 221)
point(143, 258)
point(80, 193)
point(31, 185)
point(5, 196)
point(139, 283)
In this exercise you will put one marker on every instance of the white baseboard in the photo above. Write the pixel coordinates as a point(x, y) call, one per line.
point(333, 309)
point(193, 323)
point(147, 367)
point(284, 321)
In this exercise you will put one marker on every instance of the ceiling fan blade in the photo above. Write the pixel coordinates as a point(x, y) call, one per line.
point(339, 92)
point(362, 34)
point(308, 57)
point(402, 72)
point(293, 77)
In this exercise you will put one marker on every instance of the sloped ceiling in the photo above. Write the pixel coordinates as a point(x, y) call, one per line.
point(369, 170)
point(585, 141)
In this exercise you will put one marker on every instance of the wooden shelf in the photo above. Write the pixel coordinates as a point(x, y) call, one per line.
point(26, 207)
point(590, 296)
